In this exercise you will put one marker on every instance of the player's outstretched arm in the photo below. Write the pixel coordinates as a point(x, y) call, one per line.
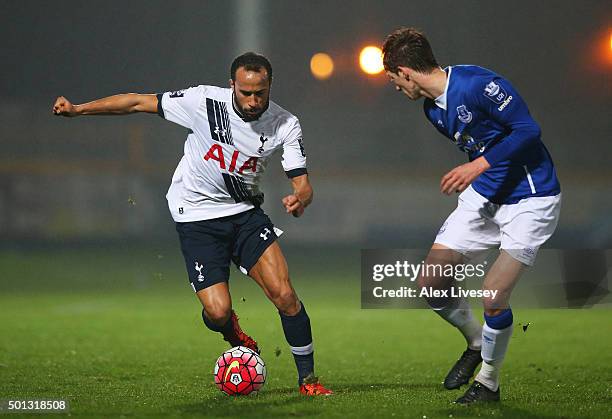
point(301, 197)
point(113, 105)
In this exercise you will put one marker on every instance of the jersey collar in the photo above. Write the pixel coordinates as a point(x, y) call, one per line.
point(244, 117)
point(440, 101)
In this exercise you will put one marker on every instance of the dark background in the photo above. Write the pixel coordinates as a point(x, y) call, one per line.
point(374, 161)
point(95, 307)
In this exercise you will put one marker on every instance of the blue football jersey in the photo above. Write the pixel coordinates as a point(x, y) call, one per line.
point(485, 116)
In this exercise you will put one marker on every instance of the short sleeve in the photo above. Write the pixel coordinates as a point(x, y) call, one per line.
point(180, 106)
point(294, 156)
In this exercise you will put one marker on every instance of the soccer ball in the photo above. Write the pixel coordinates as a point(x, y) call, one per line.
point(240, 371)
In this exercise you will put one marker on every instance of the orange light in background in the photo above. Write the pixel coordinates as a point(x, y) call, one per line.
point(371, 60)
point(607, 56)
point(321, 66)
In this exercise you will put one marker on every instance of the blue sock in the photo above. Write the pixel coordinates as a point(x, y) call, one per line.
point(299, 336)
point(501, 320)
point(496, 334)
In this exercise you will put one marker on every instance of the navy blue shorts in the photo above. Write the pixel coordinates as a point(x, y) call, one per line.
point(208, 246)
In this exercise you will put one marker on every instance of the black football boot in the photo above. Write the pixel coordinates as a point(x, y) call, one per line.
point(463, 369)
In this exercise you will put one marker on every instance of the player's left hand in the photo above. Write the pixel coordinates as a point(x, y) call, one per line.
point(458, 179)
point(293, 205)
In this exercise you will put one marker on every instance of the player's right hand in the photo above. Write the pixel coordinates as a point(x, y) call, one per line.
point(63, 107)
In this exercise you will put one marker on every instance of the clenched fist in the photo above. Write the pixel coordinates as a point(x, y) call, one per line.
point(293, 205)
point(63, 107)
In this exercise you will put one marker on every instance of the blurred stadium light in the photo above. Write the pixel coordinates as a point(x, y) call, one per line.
point(370, 60)
point(321, 66)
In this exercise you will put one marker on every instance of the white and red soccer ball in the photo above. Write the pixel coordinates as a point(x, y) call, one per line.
point(240, 371)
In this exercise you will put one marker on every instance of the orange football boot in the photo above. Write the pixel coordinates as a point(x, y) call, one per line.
point(238, 338)
point(312, 387)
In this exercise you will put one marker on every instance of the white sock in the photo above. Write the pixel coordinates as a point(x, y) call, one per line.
point(459, 314)
point(494, 347)
point(488, 376)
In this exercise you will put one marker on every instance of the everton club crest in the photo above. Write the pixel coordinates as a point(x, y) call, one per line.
point(463, 114)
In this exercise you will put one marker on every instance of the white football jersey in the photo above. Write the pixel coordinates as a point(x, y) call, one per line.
point(225, 155)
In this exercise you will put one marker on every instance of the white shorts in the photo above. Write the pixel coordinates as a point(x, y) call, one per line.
point(519, 229)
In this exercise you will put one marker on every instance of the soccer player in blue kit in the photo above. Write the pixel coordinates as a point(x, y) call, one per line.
point(510, 195)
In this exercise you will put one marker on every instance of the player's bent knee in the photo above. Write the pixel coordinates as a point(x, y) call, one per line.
point(218, 314)
point(286, 301)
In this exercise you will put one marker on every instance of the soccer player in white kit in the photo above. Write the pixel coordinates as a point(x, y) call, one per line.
point(510, 195)
point(215, 200)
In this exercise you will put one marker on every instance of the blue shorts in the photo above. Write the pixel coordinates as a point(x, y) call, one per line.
point(208, 246)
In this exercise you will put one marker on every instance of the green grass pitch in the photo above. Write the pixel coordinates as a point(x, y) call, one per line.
point(118, 332)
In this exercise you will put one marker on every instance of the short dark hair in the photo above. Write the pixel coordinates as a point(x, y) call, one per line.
point(408, 47)
point(251, 62)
